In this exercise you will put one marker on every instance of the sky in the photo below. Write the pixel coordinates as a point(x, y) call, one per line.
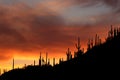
point(28, 27)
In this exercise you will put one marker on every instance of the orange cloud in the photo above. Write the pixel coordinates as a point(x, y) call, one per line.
point(26, 31)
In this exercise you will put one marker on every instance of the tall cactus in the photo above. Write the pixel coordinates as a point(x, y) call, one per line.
point(111, 31)
point(46, 57)
point(40, 60)
point(34, 62)
point(78, 45)
point(69, 55)
point(13, 63)
point(88, 45)
point(53, 61)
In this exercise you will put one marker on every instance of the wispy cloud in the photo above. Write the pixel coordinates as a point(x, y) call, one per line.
point(43, 26)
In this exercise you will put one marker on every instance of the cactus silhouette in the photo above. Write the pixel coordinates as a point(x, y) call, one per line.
point(78, 44)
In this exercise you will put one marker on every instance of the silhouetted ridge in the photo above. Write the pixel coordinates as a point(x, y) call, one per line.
point(102, 58)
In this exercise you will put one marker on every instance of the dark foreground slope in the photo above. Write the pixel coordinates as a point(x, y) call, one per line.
point(101, 61)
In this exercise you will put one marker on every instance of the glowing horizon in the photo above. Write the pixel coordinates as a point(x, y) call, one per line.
point(29, 27)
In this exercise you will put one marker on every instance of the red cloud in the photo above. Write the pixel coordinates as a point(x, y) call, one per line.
point(26, 29)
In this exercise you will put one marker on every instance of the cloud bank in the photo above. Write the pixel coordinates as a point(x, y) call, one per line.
point(43, 27)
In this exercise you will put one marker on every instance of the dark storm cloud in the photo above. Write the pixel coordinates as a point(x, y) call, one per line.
point(25, 30)
point(113, 3)
point(7, 31)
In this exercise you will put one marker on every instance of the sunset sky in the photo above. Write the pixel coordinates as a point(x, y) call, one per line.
point(28, 27)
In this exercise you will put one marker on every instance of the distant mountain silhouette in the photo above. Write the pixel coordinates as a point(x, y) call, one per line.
point(100, 61)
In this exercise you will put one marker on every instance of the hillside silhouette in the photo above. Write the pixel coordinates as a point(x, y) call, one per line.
point(99, 61)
